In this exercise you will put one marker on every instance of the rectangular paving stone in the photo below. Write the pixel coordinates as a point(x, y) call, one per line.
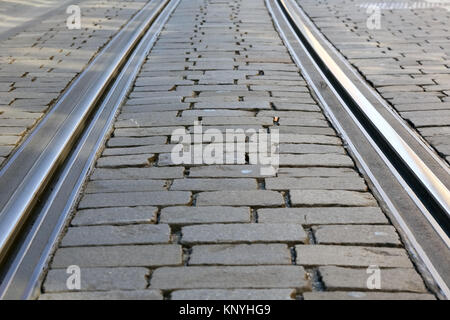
point(308, 138)
point(241, 254)
point(212, 214)
point(110, 235)
point(118, 256)
point(137, 173)
point(103, 186)
point(357, 234)
point(397, 279)
point(229, 277)
point(317, 172)
point(226, 171)
point(323, 215)
point(337, 183)
point(135, 160)
point(139, 150)
point(127, 199)
point(213, 184)
point(324, 160)
point(331, 197)
point(243, 232)
point(133, 142)
point(99, 279)
point(233, 294)
point(240, 198)
point(322, 255)
point(120, 215)
point(105, 295)
point(357, 295)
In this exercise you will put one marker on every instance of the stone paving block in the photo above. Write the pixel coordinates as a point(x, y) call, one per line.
point(243, 232)
point(103, 186)
point(116, 235)
point(310, 148)
point(331, 198)
point(127, 199)
point(321, 255)
point(323, 215)
point(99, 279)
point(317, 172)
point(229, 277)
point(137, 173)
point(357, 234)
point(233, 294)
point(357, 295)
point(398, 279)
point(240, 198)
point(325, 160)
point(105, 295)
point(242, 254)
point(140, 150)
point(133, 142)
point(337, 183)
point(115, 215)
point(213, 184)
point(213, 214)
point(226, 171)
point(138, 160)
point(118, 256)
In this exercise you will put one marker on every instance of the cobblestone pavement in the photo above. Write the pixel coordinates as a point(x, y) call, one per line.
point(147, 228)
point(407, 59)
point(37, 64)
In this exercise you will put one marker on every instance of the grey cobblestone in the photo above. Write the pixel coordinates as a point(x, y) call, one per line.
point(243, 254)
point(103, 186)
point(232, 233)
point(331, 197)
point(101, 200)
point(213, 184)
point(118, 256)
point(213, 214)
point(399, 279)
point(240, 198)
point(357, 295)
point(99, 279)
point(323, 215)
point(116, 235)
point(351, 256)
point(115, 215)
point(105, 295)
point(229, 277)
point(357, 234)
point(235, 294)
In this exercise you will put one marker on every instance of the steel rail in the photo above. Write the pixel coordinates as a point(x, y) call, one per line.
point(23, 276)
point(433, 186)
point(28, 171)
point(427, 242)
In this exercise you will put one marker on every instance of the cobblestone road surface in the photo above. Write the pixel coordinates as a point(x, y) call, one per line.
point(147, 228)
point(37, 64)
point(407, 59)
